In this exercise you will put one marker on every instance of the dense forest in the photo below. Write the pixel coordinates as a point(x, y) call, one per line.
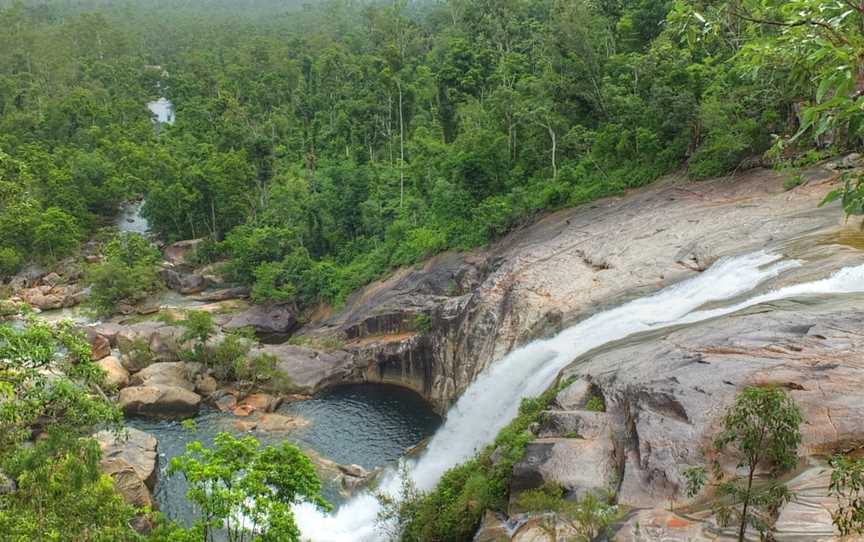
point(320, 145)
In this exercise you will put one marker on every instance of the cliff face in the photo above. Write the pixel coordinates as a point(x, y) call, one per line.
point(433, 328)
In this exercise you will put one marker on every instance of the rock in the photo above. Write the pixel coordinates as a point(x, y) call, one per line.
point(165, 343)
point(93, 258)
point(108, 330)
point(100, 346)
point(850, 161)
point(270, 318)
point(576, 424)
point(184, 283)
point(178, 253)
point(260, 402)
point(159, 401)
point(226, 403)
point(223, 294)
point(205, 384)
point(48, 298)
point(245, 426)
point(127, 482)
point(136, 335)
point(135, 447)
point(662, 525)
point(352, 470)
point(117, 376)
point(579, 466)
point(278, 423)
point(492, 529)
point(668, 390)
point(304, 370)
point(808, 516)
point(52, 279)
point(575, 396)
point(176, 374)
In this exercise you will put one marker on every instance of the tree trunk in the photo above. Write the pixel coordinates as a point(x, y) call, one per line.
point(743, 528)
point(401, 148)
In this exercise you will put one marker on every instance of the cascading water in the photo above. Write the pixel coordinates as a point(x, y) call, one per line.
point(493, 399)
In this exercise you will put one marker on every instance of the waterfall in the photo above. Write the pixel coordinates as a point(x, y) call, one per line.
point(492, 400)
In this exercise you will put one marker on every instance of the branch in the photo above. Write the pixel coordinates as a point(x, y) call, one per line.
point(838, 38)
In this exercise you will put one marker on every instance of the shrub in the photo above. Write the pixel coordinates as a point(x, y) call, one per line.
point(10, 261)
point(128, 274)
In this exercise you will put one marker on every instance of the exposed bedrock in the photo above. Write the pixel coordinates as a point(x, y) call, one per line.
point(435, 326)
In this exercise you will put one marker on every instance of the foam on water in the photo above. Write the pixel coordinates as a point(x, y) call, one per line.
point(492, 400)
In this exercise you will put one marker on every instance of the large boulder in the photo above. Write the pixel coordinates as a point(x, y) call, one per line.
point(184, 283)
point(116, 376)
point(177, 374)
point(127, 482)
point(159, 401)
point(135, 447)
point(265, 319)
point(304, 370)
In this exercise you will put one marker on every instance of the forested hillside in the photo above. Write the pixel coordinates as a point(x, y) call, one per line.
point(320, 144)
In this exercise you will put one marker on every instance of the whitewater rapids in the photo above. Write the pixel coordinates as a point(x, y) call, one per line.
point(492, 400)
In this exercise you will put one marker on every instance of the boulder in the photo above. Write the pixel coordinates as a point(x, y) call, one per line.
point(100, 345)
point(205, 384)
point(184, 283)
point(302, 369)
point(52, 279)
point(223, 294)
point(178, 253)
point(108, 330)
point(135, 447)
point(117, 376)
point(161, 401)
point(127, 482)
point(176, 374)
point(279, 423)
point(266, 319)
point(259, 402)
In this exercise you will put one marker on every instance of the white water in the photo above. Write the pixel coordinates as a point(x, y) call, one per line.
point(493, 399)
point(163, 110)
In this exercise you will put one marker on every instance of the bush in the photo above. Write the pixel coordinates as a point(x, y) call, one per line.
point(128, 274)
point(10, 261)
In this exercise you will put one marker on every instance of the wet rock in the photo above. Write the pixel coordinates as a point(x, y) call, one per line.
point(160, 401)
point(668, 390)
point(808, 516)
point(259, 402)
point(226, 403)
point(279, 423)
point(116, 377)
point(492, 529)
point(223, 294)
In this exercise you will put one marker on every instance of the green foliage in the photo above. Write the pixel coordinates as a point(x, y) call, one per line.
point(129, 272)
point(10, 261)
point(453, 510)
point(48, 387)
point(422, 322)
point(760, 429)
point(236, 478)
point(696, 477)
point(595, 404)
point(588, 518)
point(847, 486)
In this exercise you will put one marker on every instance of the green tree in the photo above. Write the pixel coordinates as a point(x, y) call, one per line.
point(57, 233)
point(761, 429)
point(129, 272)
point(847, 486)
point(246, 491)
